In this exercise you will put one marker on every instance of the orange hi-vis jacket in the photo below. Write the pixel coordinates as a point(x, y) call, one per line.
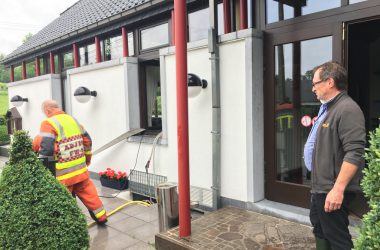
point(63, 139)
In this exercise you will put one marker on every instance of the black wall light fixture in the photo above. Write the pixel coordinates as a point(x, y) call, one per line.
point(17, 101)
point(83, 94)
point(195, 84)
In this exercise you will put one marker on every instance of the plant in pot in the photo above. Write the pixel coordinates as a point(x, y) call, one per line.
point(36, 211)
point(112, 179)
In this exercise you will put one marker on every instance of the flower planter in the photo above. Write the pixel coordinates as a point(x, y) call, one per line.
point(119, 185)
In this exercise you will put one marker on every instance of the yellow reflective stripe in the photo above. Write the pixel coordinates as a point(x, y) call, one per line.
point(72, 174)
point(69, 164)
point(88, 153)
point(68, 170)
point(100, 214)
point(55, 127)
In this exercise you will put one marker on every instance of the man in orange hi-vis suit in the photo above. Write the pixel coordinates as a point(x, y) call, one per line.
point(63, 139)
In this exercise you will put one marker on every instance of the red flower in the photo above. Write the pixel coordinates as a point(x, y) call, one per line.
point(112, 175)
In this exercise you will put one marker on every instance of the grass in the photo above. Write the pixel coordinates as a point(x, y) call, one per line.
point(3, 109)
point(3, 102)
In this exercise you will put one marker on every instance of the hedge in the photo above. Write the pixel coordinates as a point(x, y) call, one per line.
point(36, 211)
point(369, 237)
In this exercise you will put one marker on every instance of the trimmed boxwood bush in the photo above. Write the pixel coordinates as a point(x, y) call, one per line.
point(369, 237)
point(36, 211)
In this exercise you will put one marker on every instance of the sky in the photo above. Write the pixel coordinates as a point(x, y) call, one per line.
point(19, 17)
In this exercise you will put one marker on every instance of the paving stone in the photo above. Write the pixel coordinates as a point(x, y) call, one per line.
point(230, 236)
point(242, 229)
point(251, 244)
point(272, 235)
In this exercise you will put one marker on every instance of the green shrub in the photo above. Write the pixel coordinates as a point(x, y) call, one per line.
point(36, 211)
point(4, 137)
point(370, 231)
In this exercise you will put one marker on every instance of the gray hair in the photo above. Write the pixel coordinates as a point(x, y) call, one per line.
point(335, 71)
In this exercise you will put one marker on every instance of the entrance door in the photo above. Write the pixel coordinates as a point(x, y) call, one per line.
point(293, 108)
point(363, 64)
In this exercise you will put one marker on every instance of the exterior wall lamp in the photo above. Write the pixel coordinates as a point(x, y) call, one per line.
point(83, 94)
point(17, 101)
point(195, 84)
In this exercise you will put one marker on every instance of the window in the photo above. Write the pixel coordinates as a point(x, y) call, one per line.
point(294, 101)
point(18, 73)
point(57, 64)
point(42, 66)
point(199, 23)
point(278, 10)
point(150, 92)
point(113, 48)
point(30, 69)
point(356, 1)
point(68, 60)
point(155, 36)
point(131, 50)
point(87, 55)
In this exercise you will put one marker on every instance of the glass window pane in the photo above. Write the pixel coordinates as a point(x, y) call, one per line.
point(276, 11)
point(199, 23)
point(42, 66)
point(47, 59)
point(83, 56)
point(116, 47)
point(91, 54)
point(356, 1)
point(17, 73)
point(56, 64)
point(68, 60)
point(294, 101)
point(155, 36)
point(220, 19)
point(113, 48)
point(131, 50)
point(30, 69)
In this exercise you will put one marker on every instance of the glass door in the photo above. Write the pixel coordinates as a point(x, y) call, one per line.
point(291, 108)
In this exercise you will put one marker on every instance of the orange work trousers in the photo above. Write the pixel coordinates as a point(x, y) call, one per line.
point(86, 191)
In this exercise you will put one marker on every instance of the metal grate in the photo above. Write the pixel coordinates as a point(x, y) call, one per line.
point(202, 197)
point(143, 183)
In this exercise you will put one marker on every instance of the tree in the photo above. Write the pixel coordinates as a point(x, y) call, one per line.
point(36, 211)
point(27, 37)
point(4, 73)
point(370, 231)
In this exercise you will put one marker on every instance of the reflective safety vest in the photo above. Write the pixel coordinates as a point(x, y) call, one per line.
point(70, 156)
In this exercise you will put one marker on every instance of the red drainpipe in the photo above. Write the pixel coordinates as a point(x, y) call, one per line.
point(227, 16)
point(180, 15)
point(12, 73)
point(76, 55)
point(23, 70)
point(243, 15)
point(173, 28)
point(124, 36)
point(52, 66)
point(97, 49)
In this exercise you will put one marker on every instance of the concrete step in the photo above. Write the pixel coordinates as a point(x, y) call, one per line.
point(4, 150)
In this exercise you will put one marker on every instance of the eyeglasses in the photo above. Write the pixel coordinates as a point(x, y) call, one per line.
point(315, 83)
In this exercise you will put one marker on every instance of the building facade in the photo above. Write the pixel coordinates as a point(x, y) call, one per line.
point(125, 51)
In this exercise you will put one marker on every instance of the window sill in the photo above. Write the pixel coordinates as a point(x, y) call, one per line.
point(148, 138)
